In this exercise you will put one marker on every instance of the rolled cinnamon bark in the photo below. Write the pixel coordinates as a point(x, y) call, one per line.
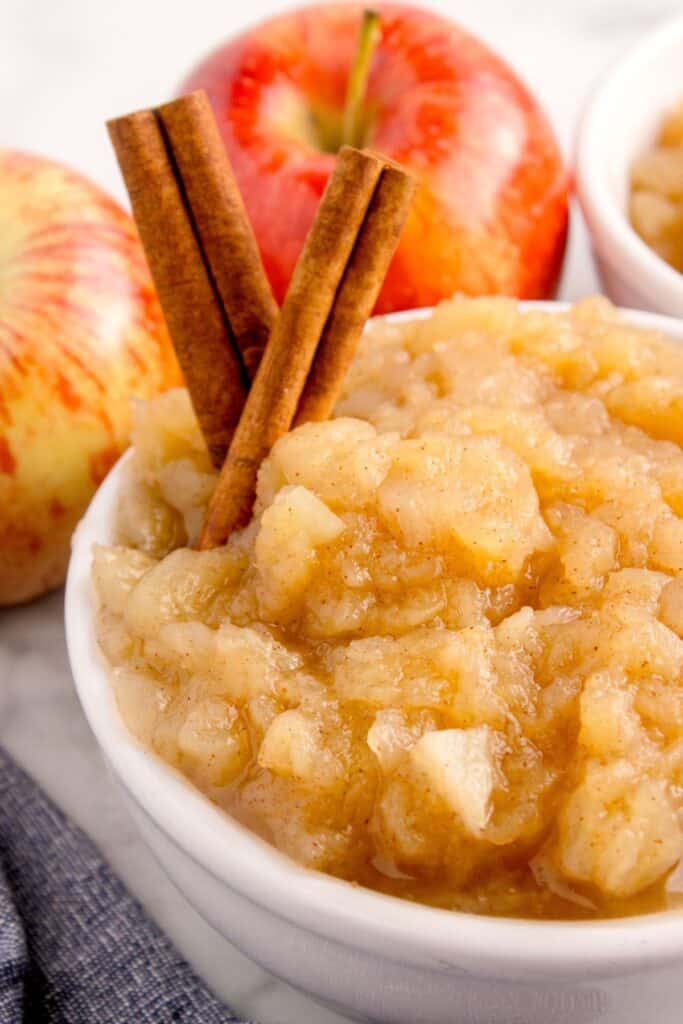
point(221, 223)
point(276, 391)
point(200, 333)
point(358, 291)
point(218, 304)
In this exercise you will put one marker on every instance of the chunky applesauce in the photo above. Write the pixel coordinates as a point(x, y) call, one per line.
point(444, 660)
point(656, 201)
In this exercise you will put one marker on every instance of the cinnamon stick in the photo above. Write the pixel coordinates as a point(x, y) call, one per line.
point(275, 393)
point(196, 322)
point(333, 289)
point(360, 286)
point(221, 223)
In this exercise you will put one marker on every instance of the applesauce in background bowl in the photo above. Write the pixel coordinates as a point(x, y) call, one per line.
point(656, 203)
point(620, 123)
point(443, 661)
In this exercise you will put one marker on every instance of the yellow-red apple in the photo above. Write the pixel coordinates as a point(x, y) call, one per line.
point(81, 332)
point(491, 214)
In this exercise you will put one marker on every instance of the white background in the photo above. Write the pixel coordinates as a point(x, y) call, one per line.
point(65, 67)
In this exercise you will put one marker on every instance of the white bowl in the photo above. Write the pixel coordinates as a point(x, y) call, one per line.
point(371, 956)
point(620, 120)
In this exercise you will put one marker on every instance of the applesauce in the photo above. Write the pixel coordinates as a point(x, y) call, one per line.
point(444, 660)
point(656, 202)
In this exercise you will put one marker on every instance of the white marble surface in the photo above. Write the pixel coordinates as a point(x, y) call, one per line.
point(64, 68)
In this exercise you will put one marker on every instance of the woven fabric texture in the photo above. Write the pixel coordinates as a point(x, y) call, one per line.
point(75, 947)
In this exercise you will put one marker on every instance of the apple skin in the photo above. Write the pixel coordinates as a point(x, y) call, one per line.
point(81, 331)
point(492, 211)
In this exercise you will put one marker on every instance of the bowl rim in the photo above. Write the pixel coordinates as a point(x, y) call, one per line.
point(336, 910)
point(599, 207)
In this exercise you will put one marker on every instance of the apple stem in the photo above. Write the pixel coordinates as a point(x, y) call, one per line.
point(368, 36)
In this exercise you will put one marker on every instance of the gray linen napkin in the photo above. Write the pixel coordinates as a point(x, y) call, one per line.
point(75, 947)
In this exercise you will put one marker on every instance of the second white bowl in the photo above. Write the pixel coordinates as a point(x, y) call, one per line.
point(621, 119)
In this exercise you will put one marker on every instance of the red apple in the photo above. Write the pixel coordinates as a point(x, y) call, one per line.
point(491, 214)
point(81, 331)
